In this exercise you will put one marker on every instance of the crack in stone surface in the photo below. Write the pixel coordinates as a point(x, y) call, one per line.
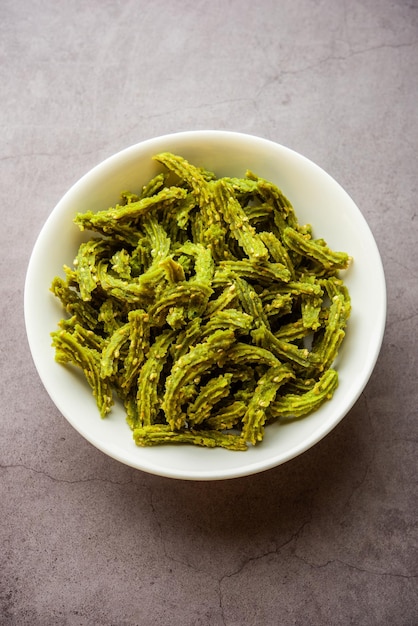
point(294, 536)
point(352, 53)
point(221, 580)
point(165, 550)
point(369, 464)
point(342, 57)
point(64, 480)
point(357, 568)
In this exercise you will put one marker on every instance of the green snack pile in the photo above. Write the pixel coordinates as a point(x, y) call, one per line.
point(205, 307)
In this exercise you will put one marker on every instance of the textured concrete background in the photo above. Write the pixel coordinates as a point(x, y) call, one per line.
point(329, 538)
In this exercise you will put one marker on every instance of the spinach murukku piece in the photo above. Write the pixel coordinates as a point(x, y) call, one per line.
point(277, 251)
point(70, 276)
point(295, 405)
point(139, 336)
point(147, 397)
point(68, 349)
point(187, 173)
point(140, 256)
point(210, 229)
point(111, 353)
point(191, 295)
point(292, 331)
point(117, 231)
point(111, 315)
point(226, 299)
point(126, 197)
point(282, 349)
point(259, 272)
point(311, 308)
point(244, 188)
point(306, 246)
point(334, 286)
point(208, 396)
point(85, 336)
point(204, 265)
point(228, 416)
point(234, 319)
point(85, 263)
point(159, 244)
point(154, 186)
point(243, 353)
point(251, 302)
point(326, 350)
point(264, 394)
point(177, 317)
point(299, 287)
point(158, 241)
point(259, 216)
point(274, 196)
point(276, 304)
point(299, 386)
point(128, 212)
point(200, 359)
point(174, 271)
point(131, 407)
point(84, 312)
point(138, 292)
point(162, 434)
point(186, 337)
point(184, 210)
point(122, 264)
point(238, 222)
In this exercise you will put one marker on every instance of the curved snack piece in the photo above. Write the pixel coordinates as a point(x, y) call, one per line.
point(205, 307)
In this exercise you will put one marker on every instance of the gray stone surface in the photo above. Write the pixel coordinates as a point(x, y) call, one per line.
point(329, 538)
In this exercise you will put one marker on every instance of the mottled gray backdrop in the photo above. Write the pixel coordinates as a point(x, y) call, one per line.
point(329, 538)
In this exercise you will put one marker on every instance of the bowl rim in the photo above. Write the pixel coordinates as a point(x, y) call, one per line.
point(247, 468)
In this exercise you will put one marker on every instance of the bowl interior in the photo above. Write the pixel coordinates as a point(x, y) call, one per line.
point(317, 198)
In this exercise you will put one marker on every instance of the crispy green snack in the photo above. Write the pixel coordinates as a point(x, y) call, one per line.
point(190, 294)
point(294, 405)
point(262, 272)
point(278, 251)
point(111, 353)
point(282, 349)
point(311, 307)
point(264, 394)
point(139, 334)
point(209, 395)
point(72, 302)
point(242, 353)
point(162, 433)
point(69, 349)
point(205, 307)
point(305, 245)
point(105, 221)
point(86, 261)
point(189, 174)
point(250, 301)
point(147, 394)
point(326, 350)
point(283, 212)
point(234, 319)
point(227, 416)
point(186, 338)
point(238, 222)
point(190, 368)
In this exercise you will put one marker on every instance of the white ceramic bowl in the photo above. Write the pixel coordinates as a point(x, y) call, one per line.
point(317, 199)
